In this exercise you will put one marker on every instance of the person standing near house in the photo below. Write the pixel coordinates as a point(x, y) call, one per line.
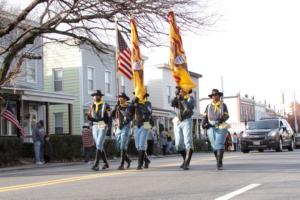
point(142, 113)
point(216, 114)
point(183, 124)
point(87, 142)
point(99, 116)
point(38, 136)
point(123, 114)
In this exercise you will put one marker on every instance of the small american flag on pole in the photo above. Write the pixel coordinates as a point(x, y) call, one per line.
point(9, 115)
point(124, 57)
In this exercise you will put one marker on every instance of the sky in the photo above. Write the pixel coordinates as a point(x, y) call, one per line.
point(254, 46)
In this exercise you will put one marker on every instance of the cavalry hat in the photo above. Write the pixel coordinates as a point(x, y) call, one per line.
point(215, 92)
point(146, 95)
point(97, 93)
point(124, 96)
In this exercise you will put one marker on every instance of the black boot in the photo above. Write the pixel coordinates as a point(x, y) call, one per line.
point(140, 160)
point(183, 154)
point(220, 159)
point(122, 160)
point(127, 159)
point(97, 159)
point(147, 161)
point(106, 165)
point(189, 153)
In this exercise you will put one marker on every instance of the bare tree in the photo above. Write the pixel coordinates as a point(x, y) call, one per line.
point(87, 21)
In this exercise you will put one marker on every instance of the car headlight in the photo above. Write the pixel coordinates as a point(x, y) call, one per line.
point(245, 134)
point(272, 133)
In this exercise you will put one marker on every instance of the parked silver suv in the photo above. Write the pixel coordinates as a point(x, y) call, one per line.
point(272, 133)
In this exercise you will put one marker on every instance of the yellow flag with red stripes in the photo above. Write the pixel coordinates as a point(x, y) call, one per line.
point(137, 64)
point(178, 63)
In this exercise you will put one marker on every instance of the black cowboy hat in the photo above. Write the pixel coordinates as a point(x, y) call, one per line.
point(97, 93)
point(124, 96)
point(215, 92)
point(146, 95)
point(178, 88)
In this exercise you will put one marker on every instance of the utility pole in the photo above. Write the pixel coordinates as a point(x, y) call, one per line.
point(295, 114)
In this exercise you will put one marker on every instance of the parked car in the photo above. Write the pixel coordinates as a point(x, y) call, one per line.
point(297, 140)
point(275, 133)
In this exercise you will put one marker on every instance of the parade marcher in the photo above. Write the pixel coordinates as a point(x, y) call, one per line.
point(148, 124)
point(122, 114)
point(184, 104)
point(99, 116)
point(142, 115)
point(216, 114)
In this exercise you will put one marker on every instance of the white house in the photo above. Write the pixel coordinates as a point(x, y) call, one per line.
point(161, 87)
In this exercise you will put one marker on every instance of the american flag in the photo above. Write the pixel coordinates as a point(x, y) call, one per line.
point(124, 57)
point(9, 115)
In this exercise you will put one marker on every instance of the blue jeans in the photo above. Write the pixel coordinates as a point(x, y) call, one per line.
point(183, 135)
point(217, 138)
point(87, 154)
point(39, 151)
point(99, 136)
point(122, 137)
point(140, 138)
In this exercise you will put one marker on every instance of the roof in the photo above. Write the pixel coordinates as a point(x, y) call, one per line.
point(166, 66)
point(42, 96)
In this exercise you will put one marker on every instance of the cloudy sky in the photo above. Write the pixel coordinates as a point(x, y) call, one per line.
point(254, 46)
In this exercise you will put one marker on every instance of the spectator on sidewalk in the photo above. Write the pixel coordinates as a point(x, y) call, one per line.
point(163, 139)
point(156, 146)
point(38, 136)
point(235, 141)
point(87, 142)
point(48, 149)
point(150, 142)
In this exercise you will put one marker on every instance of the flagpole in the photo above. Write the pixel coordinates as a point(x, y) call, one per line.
point(116, 59)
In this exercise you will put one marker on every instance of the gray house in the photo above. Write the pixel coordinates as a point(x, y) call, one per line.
point(30, 103)
point(79, 70)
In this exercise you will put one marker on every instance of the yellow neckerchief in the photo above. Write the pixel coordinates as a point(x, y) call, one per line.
point(123, 105)
point(97, 104)
point(186, 97)
point(216, 105)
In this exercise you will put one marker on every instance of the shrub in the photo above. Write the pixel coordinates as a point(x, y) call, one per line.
point(10, 148)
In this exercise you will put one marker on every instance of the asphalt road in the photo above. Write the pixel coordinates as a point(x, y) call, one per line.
point(268, 175)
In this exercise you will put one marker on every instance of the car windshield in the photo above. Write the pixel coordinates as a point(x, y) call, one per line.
point(265, 124)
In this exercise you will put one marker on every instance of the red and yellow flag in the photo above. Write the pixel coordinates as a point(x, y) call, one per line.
point(178, 63)
point(137, 64)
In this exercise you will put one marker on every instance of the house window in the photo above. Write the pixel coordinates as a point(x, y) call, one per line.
point(31, 71)
point(169, 93)
point(108, 83)
point(123, 88)
point(90, 78)
point(58, 120)
point(195, 96)
point(57, 73)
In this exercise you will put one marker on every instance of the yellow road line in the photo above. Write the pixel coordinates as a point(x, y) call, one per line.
point(58, 181)
point(86, 177)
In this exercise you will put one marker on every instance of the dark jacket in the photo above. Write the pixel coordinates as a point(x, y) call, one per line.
point(101, 115)
point(185, 107)
point(142, 113)
point(123, 114)
point(220, 116)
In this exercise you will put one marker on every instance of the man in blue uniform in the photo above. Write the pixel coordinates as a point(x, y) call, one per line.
point(99, 116)
point(184, 105)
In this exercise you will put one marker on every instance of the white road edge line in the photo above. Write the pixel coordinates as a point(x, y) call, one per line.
point(238, 192)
